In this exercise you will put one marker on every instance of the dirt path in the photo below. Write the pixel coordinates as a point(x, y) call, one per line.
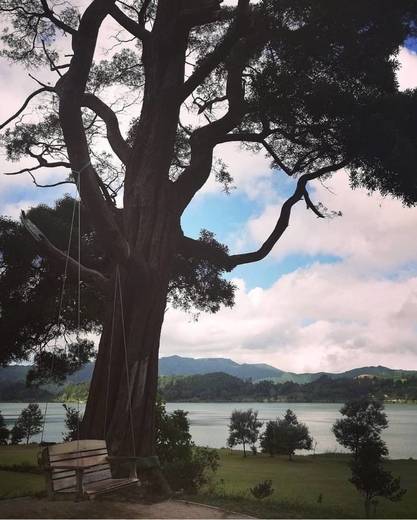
point(42, 508)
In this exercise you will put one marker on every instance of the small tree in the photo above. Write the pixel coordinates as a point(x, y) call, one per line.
point(73, 420)
point(28, 423)
point(4, 432)
point(269, 438)
point(292, 435)
point(364, 419)
point(370, 478)
point(244, 428)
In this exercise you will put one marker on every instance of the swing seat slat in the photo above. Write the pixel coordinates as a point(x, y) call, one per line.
point(82, 468)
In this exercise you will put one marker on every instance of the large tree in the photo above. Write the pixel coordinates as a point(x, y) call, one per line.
point(312, 82)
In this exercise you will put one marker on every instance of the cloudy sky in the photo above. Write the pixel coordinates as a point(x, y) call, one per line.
point(334, 294)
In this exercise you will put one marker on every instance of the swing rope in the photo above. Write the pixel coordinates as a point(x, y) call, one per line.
point(117, 295)
point(110, 359)
point(64, 280)
point(79, 298)
point(60, 306)
point(129, 388)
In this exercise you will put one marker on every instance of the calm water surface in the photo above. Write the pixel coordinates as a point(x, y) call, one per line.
point(209, 422)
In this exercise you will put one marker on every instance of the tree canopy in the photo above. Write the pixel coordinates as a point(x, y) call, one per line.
point(310, 82)
point(364, 419)
point(243, 428)
point(38, 296)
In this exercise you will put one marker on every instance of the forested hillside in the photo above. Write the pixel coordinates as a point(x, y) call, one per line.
point(223, 387)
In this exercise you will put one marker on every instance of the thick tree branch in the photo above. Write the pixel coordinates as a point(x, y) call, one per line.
point(284, 217)
point(70, 89)
point(275, 157)
point(90, 276)
point(48, 13)
point(204, 139)
point(198, 249)
point(221, 51)
point(114, 136)
point(25, 104)
point(134, 28)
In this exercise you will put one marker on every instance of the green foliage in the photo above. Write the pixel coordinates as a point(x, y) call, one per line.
point(29, 422)
point(285, 436)
point(363, 421)
point(262, 490)
point(73, 419)
point(198, 284)
point(269, 438)
point(31, 285)
point(17, 434)
point(185, 466)
point(4, 432)
point(360, 432)
point(74, 392)
point(369, 476)
point(243, 428)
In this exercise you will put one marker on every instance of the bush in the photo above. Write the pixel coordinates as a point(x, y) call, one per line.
point(185, 466)
point(262, 490)
point(73, 420)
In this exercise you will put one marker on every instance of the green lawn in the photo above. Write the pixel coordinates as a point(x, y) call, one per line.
point(298, 485)
point(17, 484)
point(21, 454)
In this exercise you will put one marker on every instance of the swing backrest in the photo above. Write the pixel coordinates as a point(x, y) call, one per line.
point(92, 452)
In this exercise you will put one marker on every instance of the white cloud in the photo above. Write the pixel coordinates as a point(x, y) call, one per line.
point(373, 232)
point(407, 73)
point(319, 318)
point(358, 311)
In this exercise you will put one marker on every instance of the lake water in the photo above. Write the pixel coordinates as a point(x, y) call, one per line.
point(209, 422)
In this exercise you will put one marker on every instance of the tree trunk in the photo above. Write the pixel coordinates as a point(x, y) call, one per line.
point(120, 406)
point(244, 450)
point(121, 401)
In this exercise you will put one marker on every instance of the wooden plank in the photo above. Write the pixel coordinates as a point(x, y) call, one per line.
point(72, 446)
point(97, 476)
point(64, 483)
point(108, 485)
point(84, 462)
point(77, 454)
point(62, 473)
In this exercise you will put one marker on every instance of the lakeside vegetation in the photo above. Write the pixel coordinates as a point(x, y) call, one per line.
point(221, 387)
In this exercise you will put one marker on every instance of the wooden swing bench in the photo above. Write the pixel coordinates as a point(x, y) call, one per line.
point(82, 469)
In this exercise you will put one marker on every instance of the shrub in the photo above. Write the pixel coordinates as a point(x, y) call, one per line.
point(185, 466)
point(262, 490)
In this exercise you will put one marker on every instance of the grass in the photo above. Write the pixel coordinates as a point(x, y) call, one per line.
point(16, 484)
point(299, 484)
point(19, 455)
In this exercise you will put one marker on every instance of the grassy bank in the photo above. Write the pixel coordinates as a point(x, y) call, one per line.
point(23, 481)
point(309, 487)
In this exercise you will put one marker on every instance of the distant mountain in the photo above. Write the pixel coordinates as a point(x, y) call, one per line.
point(183, 366)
